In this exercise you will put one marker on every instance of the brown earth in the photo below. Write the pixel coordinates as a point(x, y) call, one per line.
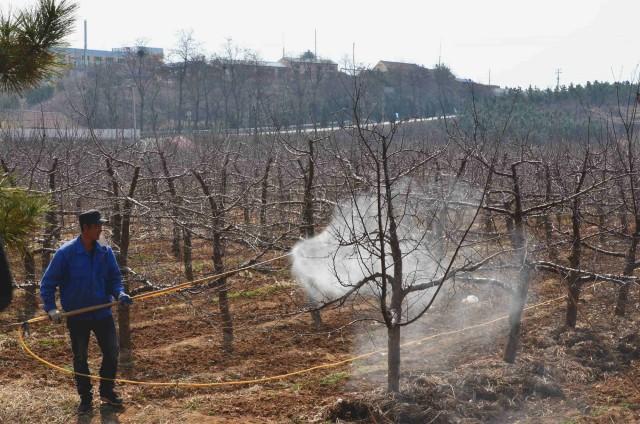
point(587, 375)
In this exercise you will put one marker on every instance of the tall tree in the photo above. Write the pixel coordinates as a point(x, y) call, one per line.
point(185, 51)
point(144, 70)
point(26, 57)
point(27, 40)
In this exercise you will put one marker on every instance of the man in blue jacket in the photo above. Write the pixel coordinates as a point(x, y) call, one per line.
point(87, 274)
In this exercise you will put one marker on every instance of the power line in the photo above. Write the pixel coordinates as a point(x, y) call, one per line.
point(558, 72)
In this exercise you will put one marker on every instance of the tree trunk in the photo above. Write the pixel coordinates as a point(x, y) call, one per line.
point(186, 254)
point(572, 304)
point(574, 284)
point(308, 228)
point(175, 241)
point(6, 286)
point(602, 239)
point(548, 235)
point(515, 314)
point(508, 220)
point(629, 267)
point(397, 293)
point(246, 204)
point(263, 194)
point(546, 219)
point(52, 231)
point(207, 110)
point(438, 233)
point(282, 195)
point(31, 302)
point(223, 301)
point(124, 333)
point(521, 291)
point(623, 298)
point(393, 359)
point(141, 112)
point(227, 320)
point(124, 327)
point(624, 222)
point(116, 217)
point(559, 220)
point(181, 77)
point(218, 260)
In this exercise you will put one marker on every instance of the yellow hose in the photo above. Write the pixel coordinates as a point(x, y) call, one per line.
point(274, 377)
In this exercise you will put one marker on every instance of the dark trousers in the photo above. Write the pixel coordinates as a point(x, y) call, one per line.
point(105, 331)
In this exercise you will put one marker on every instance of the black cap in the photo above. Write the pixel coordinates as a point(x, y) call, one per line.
point(91, 217)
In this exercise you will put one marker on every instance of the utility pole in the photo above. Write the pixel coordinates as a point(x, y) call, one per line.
point(558, 72)
point(85, 59)
point(353, 57)
point(133, 109)
point(315, 43)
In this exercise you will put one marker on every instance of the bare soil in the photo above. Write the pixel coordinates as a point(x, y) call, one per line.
point(587, 375)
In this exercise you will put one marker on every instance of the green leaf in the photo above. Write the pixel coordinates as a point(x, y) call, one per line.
point(21, 214)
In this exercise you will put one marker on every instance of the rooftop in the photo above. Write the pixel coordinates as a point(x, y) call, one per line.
point(115, 52)
point(307, 60)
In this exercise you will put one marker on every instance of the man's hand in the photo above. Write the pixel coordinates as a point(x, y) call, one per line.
point(55, 316)
point(125, 299)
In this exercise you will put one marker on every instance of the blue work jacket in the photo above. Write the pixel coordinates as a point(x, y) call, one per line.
point(85, 279)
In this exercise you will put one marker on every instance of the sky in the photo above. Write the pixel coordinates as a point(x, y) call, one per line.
point(507, 42)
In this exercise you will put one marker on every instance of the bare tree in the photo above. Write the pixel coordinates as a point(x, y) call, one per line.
point(175, 240)
point(627, 152)
point(217, 210)
point(385, 229)
point(186, 50)
point(144, 71)
point(122, 236)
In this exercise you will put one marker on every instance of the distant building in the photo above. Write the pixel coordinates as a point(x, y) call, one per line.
point(402, 68)
point(304, 65)
point(272, 71)
point(389, 66)
point(269, 71)
point(76, 57)
point(264, 70)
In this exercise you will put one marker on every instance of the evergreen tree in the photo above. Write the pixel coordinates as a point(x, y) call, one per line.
point(27, 40)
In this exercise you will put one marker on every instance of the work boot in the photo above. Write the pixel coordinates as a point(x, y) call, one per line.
point(111, 398)
point(85, 404)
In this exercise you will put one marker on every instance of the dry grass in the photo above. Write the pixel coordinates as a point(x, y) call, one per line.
point(30, 402)
point(463, 375)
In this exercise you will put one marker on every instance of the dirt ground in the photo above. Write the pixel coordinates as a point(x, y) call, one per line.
point(587, 375)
